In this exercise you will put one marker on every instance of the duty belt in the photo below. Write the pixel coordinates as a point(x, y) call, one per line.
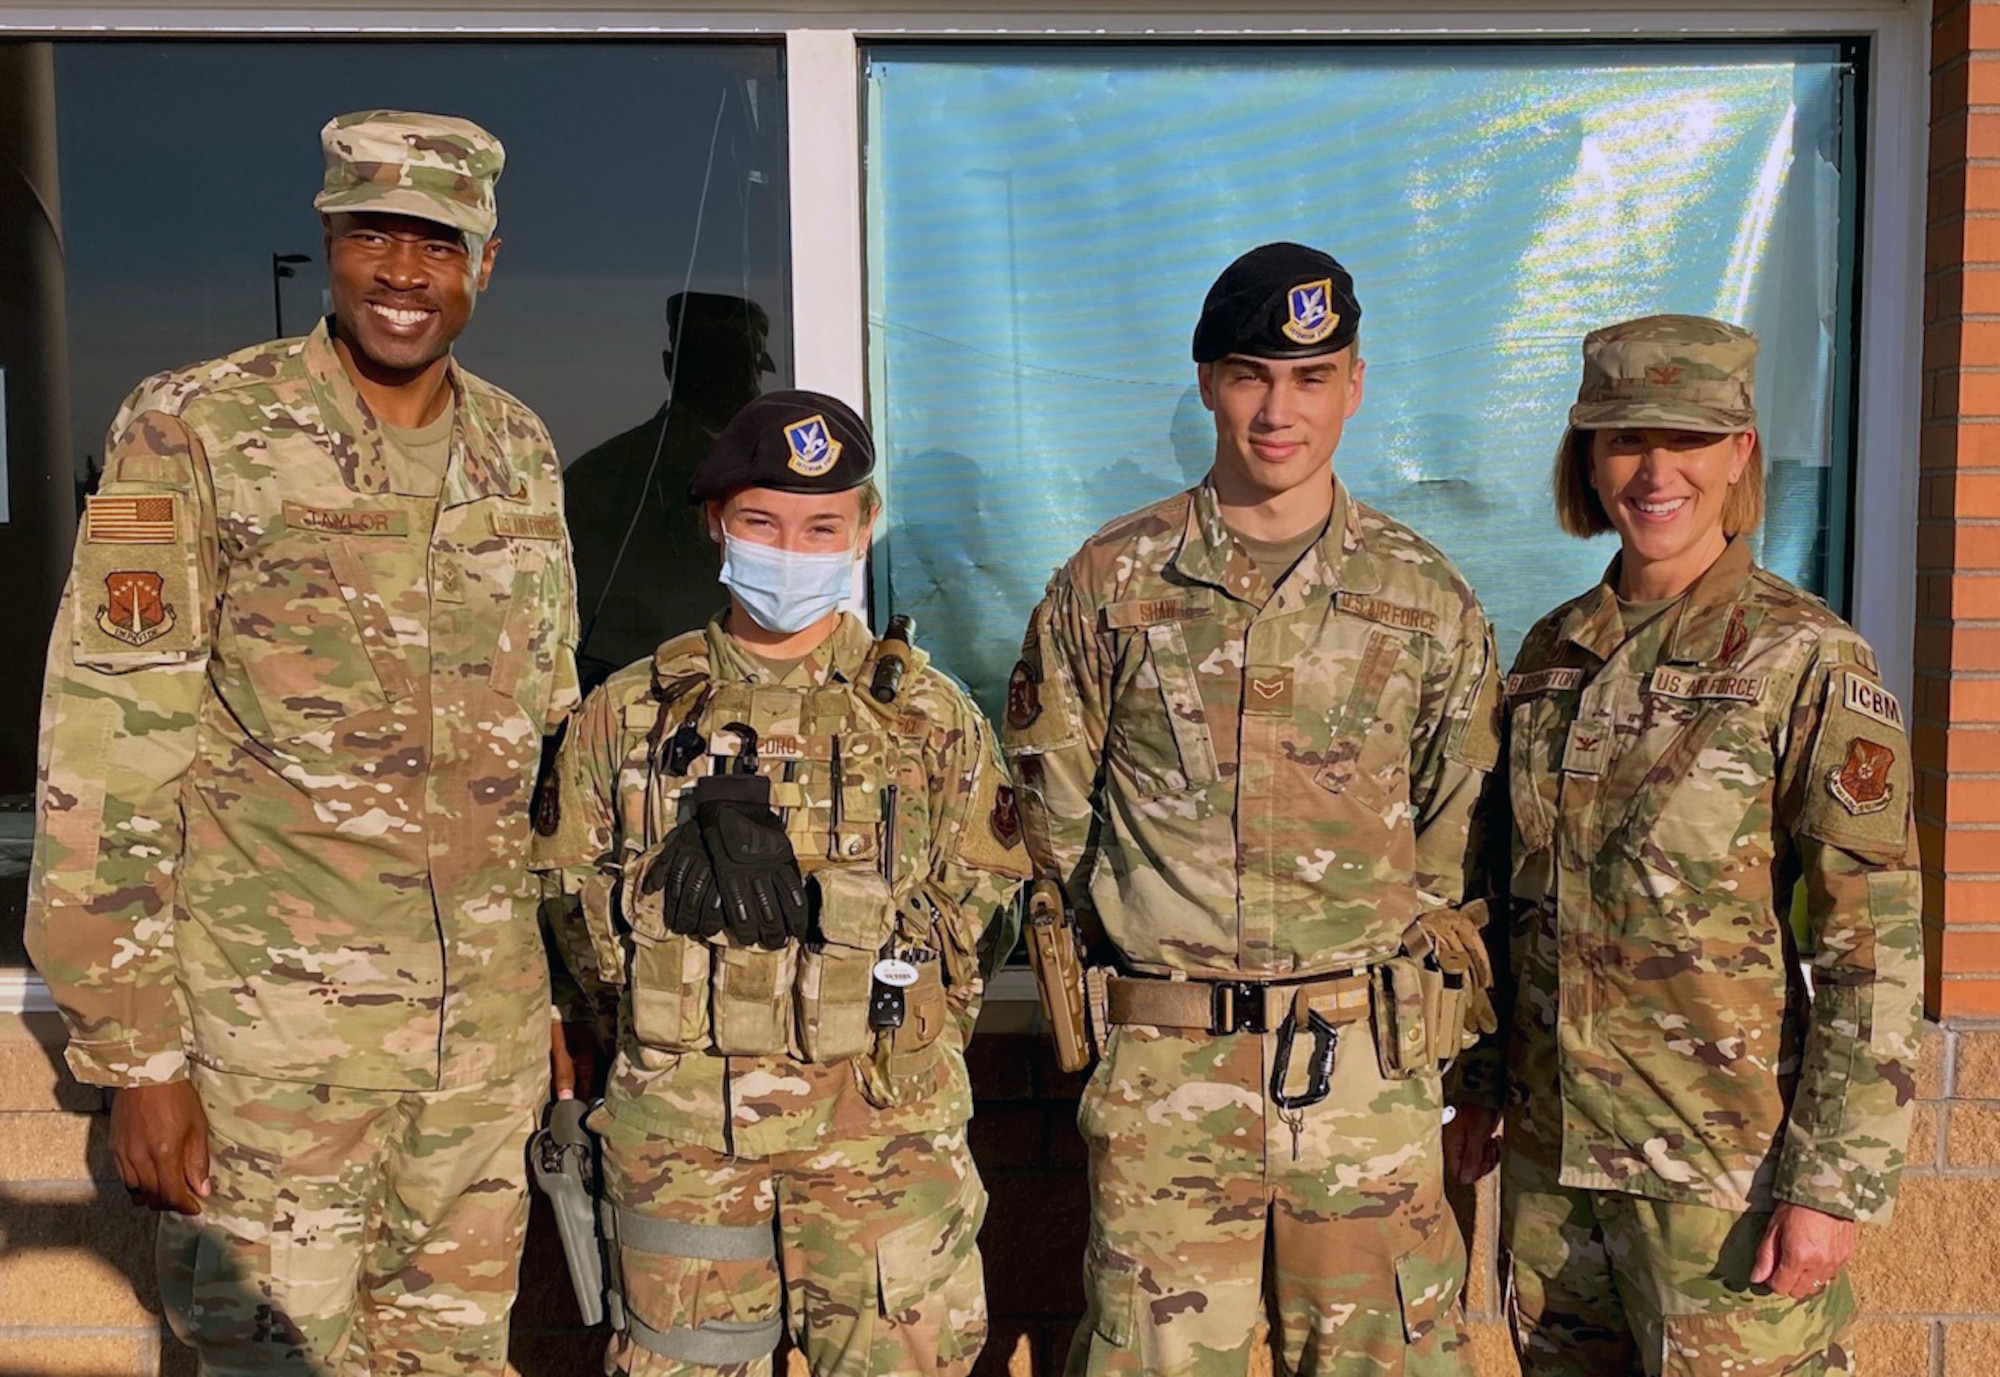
point(1318, 1006)
point(1236, 1006)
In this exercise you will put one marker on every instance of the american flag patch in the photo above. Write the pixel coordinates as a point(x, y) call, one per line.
point(130, 521)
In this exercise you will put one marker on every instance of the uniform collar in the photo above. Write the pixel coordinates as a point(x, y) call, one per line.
point(1210, 554)
point(478, 466)
point(1710, 624)
point(837, 659)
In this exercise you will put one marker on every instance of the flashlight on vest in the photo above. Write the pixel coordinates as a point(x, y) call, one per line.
point(892, 659)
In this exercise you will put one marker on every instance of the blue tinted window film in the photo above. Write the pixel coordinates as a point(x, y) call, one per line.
point(1044, 222)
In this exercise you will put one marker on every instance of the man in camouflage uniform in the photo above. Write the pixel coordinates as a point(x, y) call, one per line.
point(784, 1128)
point(1693, 1120)
point(1248, 729)
point(320, 616)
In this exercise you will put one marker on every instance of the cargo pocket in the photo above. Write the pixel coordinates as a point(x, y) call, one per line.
point(1428, 1279)
point(928, 1275)
point(712, 1312)
point(1768, 1338)
point(311, 637)
point(1113, 1283)
point(1396, 1000)
point(902, 1068)
point(750, 998)
point(857, 820)
point(1532, 769)
point(523, 662)
point(1159, 729)
point(836, 969)
point(669, 973)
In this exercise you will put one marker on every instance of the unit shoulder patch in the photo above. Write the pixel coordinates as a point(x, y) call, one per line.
point(1865, 696)
point(1024, 696)
point(990, 838)
point(1861, 781)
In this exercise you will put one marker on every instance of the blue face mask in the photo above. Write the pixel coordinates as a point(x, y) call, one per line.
point(784, 590)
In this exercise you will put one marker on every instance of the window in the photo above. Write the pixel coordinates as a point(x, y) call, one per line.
point(639, 176)
point(1045, 221)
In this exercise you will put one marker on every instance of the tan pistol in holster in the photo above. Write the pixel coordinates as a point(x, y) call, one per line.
point(1055, 950)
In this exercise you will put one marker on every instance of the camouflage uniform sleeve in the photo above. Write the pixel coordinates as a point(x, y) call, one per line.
point(565, 692)
point(977, 861)
point(1454, 745)
point(1457, 745)
point(576, 849)
point(1844, 795)
point(1057, 717)
point(127, 666)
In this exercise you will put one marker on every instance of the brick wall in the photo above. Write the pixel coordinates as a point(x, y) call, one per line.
point(1955, 724)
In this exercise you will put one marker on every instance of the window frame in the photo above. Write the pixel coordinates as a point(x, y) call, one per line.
point(825, 45)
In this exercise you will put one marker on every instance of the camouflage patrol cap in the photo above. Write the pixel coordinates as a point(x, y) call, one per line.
point(792, 441)
point(1672, 372)
point(435, 167)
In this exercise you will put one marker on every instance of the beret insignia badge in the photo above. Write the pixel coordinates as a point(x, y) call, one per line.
point(1310, 316)
point(814, 450)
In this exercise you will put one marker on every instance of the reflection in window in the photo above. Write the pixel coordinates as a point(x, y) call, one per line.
point(1049, 220)
point(644, 229)
point(641, 179)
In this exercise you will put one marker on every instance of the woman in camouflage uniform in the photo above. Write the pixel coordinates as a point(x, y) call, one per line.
point(1702, 1097)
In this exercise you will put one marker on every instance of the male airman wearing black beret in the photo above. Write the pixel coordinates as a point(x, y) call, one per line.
point(1248, 727)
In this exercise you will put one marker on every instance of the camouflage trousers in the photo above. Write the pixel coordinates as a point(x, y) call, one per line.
point(352, 1231)
point(1605, 1284)
point(864, 1249)
point(1208, 1214)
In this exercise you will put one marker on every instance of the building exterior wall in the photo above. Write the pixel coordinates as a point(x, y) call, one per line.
point(76, 1279)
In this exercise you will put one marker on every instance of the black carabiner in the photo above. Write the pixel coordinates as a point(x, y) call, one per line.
point(1319, 1065)
point(746, 755)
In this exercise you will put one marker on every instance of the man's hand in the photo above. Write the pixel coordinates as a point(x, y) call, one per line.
point(574, 1057)
point(1472, 1144)
point(1802, 1251)
point(159, 1139)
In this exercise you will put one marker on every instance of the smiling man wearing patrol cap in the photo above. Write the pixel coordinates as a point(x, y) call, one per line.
point(1248, 728)
point(794, 848)
point(320, 615)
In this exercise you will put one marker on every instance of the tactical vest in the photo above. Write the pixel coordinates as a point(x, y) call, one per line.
point(847, 776)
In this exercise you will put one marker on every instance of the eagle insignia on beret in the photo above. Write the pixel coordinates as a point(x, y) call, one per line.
point(1310, 316)
point(814, 450)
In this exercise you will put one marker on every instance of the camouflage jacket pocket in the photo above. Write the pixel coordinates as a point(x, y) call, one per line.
point(1368, 737)
point(1535, 729)
point(306, 639)
point(1686, 788)
point(1159, 728)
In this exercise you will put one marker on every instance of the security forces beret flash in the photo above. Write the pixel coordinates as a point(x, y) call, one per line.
point(1278, 301)
point(791, 441)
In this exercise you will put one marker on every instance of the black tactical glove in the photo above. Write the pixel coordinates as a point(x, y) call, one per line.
point(690, 902)
point(762, 894)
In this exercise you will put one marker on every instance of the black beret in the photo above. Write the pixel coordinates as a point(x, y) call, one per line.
point(1279, 301)
point(791, 441)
